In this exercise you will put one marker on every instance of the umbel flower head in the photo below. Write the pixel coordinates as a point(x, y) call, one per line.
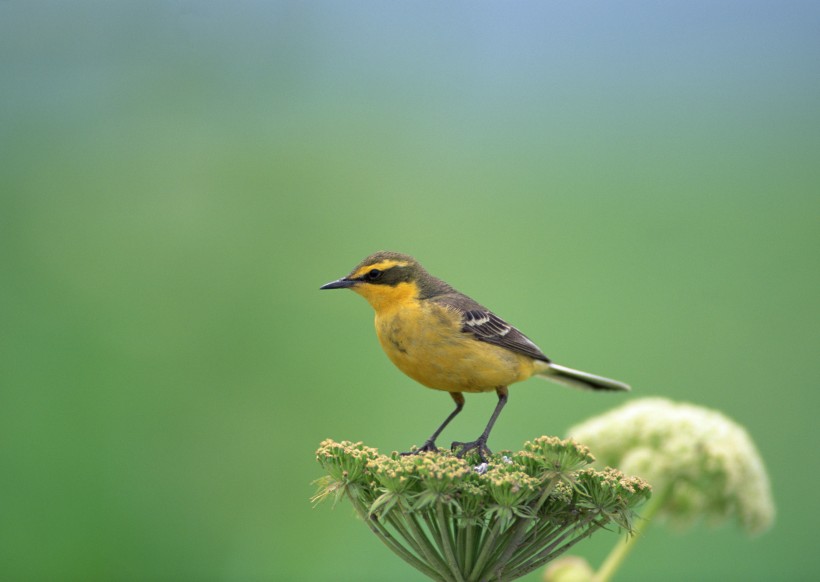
point(498, 521)
point(701, 462)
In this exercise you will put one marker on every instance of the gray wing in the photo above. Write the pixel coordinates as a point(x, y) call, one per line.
point(486, 326)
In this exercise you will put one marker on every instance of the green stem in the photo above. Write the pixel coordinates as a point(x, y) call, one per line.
point(565, 533)
point(487, 546)
point(447, 542)
point(394, 518)
point(528, 566)
point(435, 534)
point(460, 543)
point(520, 529)
point(621, 550)
point(384, 535)
point(428, 550)
point(469, 544)
point(541, 539)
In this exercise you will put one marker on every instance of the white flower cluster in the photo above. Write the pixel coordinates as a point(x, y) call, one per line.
point(706, 464)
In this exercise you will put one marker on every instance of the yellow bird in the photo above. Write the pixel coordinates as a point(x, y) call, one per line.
point(446, 341)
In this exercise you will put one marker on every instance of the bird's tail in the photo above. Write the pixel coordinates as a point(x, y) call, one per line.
point(579, 379)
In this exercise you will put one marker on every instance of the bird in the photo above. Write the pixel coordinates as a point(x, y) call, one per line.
point(446, 341)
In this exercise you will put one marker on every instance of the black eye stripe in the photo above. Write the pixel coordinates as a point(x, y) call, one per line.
point(372, 276)
point(390, 276)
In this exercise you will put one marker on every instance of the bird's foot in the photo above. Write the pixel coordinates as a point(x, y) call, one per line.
point(479, 446)
point(428, 447)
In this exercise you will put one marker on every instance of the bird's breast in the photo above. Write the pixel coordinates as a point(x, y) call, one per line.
point(425, 341)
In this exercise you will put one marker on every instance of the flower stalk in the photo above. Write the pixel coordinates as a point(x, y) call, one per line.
point(703, 465)
point(454, 523)
point(619, 553)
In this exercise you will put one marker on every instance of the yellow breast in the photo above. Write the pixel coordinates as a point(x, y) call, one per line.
point(424, 340)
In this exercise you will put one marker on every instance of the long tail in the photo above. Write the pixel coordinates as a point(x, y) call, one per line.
point(579, 379)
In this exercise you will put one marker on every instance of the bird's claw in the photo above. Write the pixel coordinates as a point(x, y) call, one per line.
point(428, 447)
point(479, 445)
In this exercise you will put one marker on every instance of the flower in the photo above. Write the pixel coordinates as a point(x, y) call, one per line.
point(452, 522)
point(345, 464)
point(704, 464)
point(569, 569)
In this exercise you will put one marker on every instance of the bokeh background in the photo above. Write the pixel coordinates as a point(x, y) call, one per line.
point(635, 185)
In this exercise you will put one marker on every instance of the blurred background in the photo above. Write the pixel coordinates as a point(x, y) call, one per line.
point(634, 185)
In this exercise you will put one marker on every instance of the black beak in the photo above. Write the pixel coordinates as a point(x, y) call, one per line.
point(342, 283)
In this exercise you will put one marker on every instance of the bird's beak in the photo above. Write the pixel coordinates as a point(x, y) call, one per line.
point(343, 283)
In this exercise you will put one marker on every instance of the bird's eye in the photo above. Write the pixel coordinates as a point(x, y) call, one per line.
point(374, 274)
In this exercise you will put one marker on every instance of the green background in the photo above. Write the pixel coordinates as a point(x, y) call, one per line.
point(634, 185)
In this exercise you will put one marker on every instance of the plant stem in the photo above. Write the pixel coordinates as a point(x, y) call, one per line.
point(521, 527)
point(441, 539)
point(388, 540)
point(428, 550)
point(530, 565)
point(460, 543)
point(396, 520)
point(447, 542)
point(486, 549)
point(469, 543)
point(621, 550)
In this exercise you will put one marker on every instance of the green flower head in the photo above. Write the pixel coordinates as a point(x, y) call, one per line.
point(498, 521)
point(344, 461)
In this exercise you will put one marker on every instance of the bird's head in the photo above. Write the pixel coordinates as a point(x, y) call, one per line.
point(386, 279)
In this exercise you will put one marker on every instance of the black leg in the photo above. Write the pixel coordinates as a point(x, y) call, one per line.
point(430, 444)
point(480, 444)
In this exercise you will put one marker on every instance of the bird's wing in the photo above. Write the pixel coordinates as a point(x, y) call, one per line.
point(486, 326)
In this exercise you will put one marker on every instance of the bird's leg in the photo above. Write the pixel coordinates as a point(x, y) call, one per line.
point(480, 444)
point(430, 444)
